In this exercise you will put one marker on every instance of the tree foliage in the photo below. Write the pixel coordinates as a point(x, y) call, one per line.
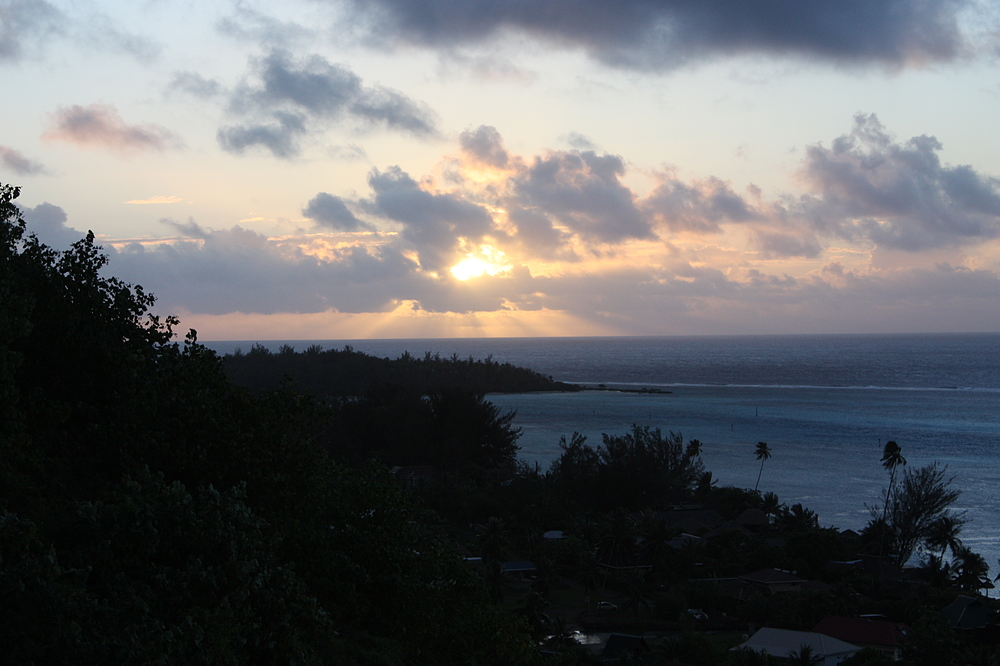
point(639, 469)
point(917, 505)
point(151, 512)
point(347, 372)
point(450, 428)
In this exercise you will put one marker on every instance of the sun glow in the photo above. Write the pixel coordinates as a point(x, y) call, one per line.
point(471, 267)
point(488, 261)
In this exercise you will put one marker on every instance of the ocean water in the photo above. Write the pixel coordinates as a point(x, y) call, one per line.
point(824, 404)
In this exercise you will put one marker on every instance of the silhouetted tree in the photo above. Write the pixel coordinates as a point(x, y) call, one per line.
point(763, 453)
point(892, 457)
point(924, 497)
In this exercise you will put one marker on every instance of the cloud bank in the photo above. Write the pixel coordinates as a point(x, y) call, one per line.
point(660, 35)
point(561, 232)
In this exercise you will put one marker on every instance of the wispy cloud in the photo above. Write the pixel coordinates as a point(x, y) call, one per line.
point(26, 23)
point(101, 126)
point(159, 199)
point(15, 161)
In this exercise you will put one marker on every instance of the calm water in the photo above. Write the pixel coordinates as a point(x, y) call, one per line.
point(824, 404)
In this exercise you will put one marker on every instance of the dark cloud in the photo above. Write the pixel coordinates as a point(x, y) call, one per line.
point(319, 92)
point(485, 145)
point(280, 137)
point(26, 22)
point(330, 211)
point(15, 161)
point(582, 191)
point(536, 235)
point(897, 195)
point(100, 125)
point(195, 84)
point(774, 245)
point(432, 223)
point(48, 222)
point(700, 206)
point(238, 270)
point(661, 34)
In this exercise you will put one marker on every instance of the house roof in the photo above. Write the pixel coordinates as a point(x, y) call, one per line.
point(771, 577)
point(620, 645)
point(517, 566)
point(692, 520)
point(753, 518)
point(967, 613)
point(783, 642)
point(862, 630)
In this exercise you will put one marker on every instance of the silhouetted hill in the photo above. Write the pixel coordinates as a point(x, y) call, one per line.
point(347, 372)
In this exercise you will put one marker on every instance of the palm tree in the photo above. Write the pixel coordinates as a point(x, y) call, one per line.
point(763, 453)
point(493, 539)
point(943, 534)
point(636, 599)
point(588, 573)
point(805, 656)
point(892, 457)
point(971, 570)
point(770, 504)
point(533, 608)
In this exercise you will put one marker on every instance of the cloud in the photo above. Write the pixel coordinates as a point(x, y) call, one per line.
point(102, 33)
point(239, 270)
point(867, 186)
point(24, 22)
point(331, 212)
point(48, 222)
point(15, 161)
point(100, 126)
point(701, 206)
point(315, 93)
point(582, 191)
point(432, 223)
point(641, 34)
point(280, 136)
point(195, 84)
point(536, 234)
point(251, 26)
point(708, 258)
point(158, 199)
point(485, 145)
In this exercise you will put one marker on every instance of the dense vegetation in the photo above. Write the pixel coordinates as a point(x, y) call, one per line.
point(346, 372)
point(151, 511)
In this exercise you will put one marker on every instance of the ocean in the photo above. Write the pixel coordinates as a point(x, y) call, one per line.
point(825, 404)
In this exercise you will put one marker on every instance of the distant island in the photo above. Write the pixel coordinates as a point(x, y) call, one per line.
point(344, 372)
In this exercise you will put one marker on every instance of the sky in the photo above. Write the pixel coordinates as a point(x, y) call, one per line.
point(338, 169)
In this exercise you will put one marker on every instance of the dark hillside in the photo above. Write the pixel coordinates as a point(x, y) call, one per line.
point(346, 372)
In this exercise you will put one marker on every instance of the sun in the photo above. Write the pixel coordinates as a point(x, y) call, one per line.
point(471, 267)
point(486, 260)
